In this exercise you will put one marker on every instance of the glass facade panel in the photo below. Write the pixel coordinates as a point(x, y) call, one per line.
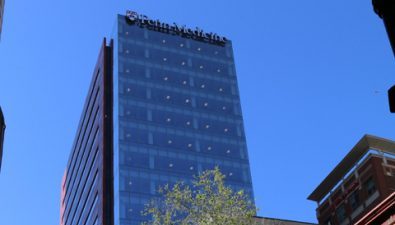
point(215, 87)
point(177, 113)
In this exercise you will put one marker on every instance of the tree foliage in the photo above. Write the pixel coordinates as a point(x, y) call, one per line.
point(208, 201)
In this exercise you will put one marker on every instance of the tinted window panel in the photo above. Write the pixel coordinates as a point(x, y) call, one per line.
point(172, 119)
point(217, 127)
point(231, 173)
point(135, 113)
point(220, 149)
point(132, 51)
point(134, 159)
point(212, 86)
point(136, 136)
point(133, 71)
point(215, 106)
point(136, 91)
point(176, 165)
point(170, 78)
point(174, 141)
point(168, 97)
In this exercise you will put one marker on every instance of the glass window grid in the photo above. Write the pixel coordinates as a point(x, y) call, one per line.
point(200, 157)
point(185, 101)
point(174, 61)
point(180, 42)
point(213, 112)
point(145, 63)
point(205, 115)
point(195, 92)
point(160, 179)
point(174, 131)
point(166, 79)
point(216, 152)
point(166, 58)
point(174, 176)
point(128, 149)
point(185, 132)
point(176, 121)
point(136, 181)
point(190, 51)
point(192, 81)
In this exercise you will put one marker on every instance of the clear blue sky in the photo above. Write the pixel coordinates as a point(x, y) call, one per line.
point(313, 77)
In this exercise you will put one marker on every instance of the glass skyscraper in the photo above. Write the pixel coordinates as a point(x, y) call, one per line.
point(171, 110)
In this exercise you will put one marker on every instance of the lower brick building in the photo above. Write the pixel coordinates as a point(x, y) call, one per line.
point(362, 184)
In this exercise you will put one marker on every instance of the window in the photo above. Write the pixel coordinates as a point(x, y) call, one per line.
point(134, 211)
point(135, 91)
point(136, 136)
point(173, 141)
point(135, 34)
point(173, 164)
point(172, 119)
point(135, 113)
point(213, 105)
point(133, 71)
point(370, 186)
point(341, 213)
point(220, 149)
point(328, 222)
point(232, 174)
point(354, 200)
point(213, 86)
point(139, 185)
point(171, 98)
point(133, 51)
point(134, 159)
point(218, 127)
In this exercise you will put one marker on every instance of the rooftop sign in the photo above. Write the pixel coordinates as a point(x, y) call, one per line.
point(175, 29)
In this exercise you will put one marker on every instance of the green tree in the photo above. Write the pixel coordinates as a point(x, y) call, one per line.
point(208, 202)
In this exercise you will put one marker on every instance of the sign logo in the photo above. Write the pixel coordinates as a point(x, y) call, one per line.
point(132, 16)
point(175, 29)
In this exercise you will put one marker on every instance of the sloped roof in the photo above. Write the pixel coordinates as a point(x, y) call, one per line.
point(368, 142)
